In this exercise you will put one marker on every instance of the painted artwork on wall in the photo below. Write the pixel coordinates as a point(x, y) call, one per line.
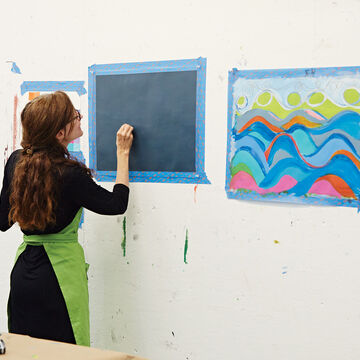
point(294, 136)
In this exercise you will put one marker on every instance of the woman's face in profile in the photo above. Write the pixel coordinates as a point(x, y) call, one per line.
point(76, 131)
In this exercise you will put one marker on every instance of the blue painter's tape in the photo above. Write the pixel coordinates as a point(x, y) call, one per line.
point(200, 118)
point(292, 73)
point(15, 69)
point(157, 176)
point(305, 200)
point(77, 86)
point(92, 117)
point(198, 65)
point(147, 67)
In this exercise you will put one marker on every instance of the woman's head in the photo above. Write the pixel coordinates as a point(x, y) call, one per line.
point(48, 120)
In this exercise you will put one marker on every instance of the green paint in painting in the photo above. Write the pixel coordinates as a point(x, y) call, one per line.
point(294, 99)
point(316, 98)
point(240, 167)
point(241, 100)
point(123, 243)
point(327, 108)
point(186, 246)
point(351, 96)
point(264, 98)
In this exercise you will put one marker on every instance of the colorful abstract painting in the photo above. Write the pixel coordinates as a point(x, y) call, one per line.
point(294, 135)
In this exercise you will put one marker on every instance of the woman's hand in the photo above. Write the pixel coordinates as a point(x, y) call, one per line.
point(124, 139)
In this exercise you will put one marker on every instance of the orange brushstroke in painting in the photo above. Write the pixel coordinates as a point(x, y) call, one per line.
point(349, 155)
point(262, 120)
point(302, 121)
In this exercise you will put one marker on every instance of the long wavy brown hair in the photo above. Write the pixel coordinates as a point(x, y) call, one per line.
point(35, 185)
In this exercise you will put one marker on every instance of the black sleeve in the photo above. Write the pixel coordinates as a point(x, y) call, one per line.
point(86, 193)
point(5, 192)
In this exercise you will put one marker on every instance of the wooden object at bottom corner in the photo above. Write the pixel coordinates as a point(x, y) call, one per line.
point(22, 347)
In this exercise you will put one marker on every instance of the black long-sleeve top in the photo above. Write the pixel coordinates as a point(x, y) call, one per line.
point(77, 190)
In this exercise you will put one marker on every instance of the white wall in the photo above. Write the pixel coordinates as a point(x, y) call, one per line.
point(232, 300)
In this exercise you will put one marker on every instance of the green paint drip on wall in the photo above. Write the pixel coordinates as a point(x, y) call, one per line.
point(123, 243)
point(186, 246)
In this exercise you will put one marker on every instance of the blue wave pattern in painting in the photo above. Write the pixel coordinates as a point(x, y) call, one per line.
point(271, 151)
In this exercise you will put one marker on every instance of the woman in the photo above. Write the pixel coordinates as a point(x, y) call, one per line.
point(44, 191)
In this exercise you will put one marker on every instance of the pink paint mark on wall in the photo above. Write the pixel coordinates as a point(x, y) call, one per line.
point(15, 122)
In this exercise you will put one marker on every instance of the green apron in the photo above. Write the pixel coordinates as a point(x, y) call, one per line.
point(67, 259)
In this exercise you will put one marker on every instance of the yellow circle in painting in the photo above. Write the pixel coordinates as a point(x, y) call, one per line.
point(241, 101)
point(264, 98)
point(294, 99)
point(316, 98)
point(351, 96)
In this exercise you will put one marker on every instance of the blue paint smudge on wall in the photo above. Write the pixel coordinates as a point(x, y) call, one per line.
point(15, 69)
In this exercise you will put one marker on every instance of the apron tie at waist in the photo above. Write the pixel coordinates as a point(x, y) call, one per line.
point(50, 238)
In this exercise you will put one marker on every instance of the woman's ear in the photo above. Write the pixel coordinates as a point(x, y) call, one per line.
point(60, 135)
